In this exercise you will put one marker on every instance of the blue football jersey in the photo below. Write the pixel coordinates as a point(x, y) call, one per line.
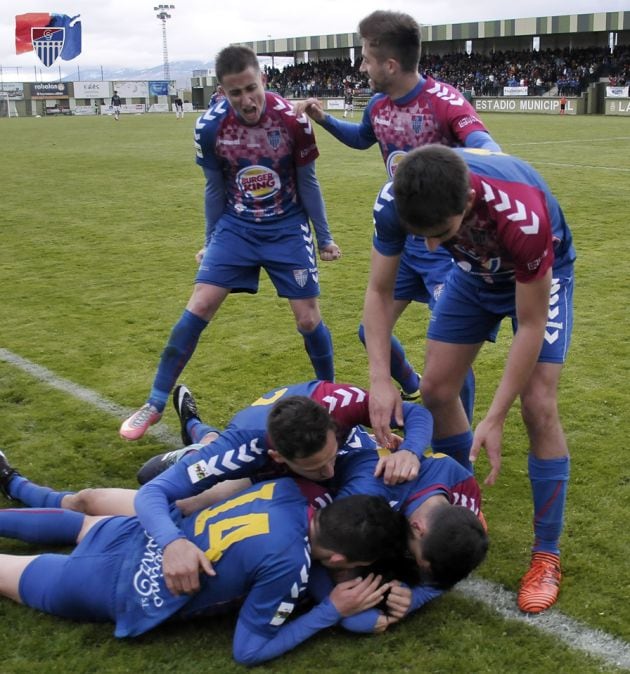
point(258, 162)
point(515, 231)
point(258, 543)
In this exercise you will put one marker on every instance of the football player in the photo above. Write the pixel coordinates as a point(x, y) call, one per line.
point(496, 216)
point(261, 543)
point(261, 190)
point(407, 110)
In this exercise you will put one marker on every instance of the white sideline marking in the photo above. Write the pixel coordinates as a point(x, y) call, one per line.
point(573, 633)
point(583, 166)
point(573, 165)
point(159, 431)
point(607, 139)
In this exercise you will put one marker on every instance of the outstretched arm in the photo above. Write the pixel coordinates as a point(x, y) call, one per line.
point(378, 320)
point(356, 135)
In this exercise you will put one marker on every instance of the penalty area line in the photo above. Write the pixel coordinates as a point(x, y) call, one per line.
point(576, 635)
point(159, 431)
point(552, 622)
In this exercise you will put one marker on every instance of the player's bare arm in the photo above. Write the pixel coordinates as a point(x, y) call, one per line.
point(378, 320)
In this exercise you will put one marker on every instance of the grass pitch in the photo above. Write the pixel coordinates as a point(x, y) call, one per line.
point(100, 223)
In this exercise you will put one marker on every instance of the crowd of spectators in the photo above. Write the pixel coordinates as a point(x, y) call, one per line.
point(565, 72)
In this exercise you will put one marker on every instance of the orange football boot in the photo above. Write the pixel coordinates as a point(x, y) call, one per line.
point(541, 584)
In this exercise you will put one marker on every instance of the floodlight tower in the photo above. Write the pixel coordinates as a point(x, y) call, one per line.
point(162, 13)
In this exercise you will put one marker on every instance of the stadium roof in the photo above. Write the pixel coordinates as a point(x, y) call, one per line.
point(545, 25)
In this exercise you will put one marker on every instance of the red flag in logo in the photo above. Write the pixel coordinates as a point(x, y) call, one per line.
point(23, 25)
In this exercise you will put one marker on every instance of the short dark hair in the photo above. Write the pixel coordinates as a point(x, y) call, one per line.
point(363, 528)
point(393, 35)
point(431, 184)
point(455, 544)
point(235, 59)
point(298, 427)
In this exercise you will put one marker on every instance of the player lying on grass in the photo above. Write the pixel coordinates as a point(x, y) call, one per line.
point(441, 481)
point(327, 415)
point(260, 541)
point(448, 540)
point(347, 406)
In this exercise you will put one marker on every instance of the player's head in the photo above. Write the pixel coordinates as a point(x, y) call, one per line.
point(449, 544)
point(391, 46)
point(240, 79)
point(115, 92)
point(358, 531)
point(432, 193)
point(303, 436)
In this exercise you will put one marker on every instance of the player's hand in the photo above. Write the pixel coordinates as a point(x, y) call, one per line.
point(398, 467)
point(330, 252)
point(182, 562)
point(398, 601)
point(358, 594)
point(199, 255)
point(312, 107)
point(488, 434)
point(385, 403)
point(382, 623)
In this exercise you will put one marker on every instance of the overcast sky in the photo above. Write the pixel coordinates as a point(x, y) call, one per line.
point(128, 33)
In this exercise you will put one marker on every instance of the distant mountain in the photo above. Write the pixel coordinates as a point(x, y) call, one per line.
point(180, 71)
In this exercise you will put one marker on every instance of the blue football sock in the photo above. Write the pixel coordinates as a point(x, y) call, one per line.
point(401, 369)
point(178, 351)
point(197, 429)
point(35, 495)
point(467, 394)
point(549, 478)
point(50, 525)
point(456, 446)
point(319, 347)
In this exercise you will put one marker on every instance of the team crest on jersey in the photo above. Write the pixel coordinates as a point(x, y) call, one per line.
point(393, 160)
point(300, 276)
point(274, 138)
point(492, 264)
point(258, 182)
point(416, 123)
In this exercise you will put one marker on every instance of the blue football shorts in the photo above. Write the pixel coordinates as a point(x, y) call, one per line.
point(421, 273)
point(80, 586)
point(468, 313)
point(237, 253)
